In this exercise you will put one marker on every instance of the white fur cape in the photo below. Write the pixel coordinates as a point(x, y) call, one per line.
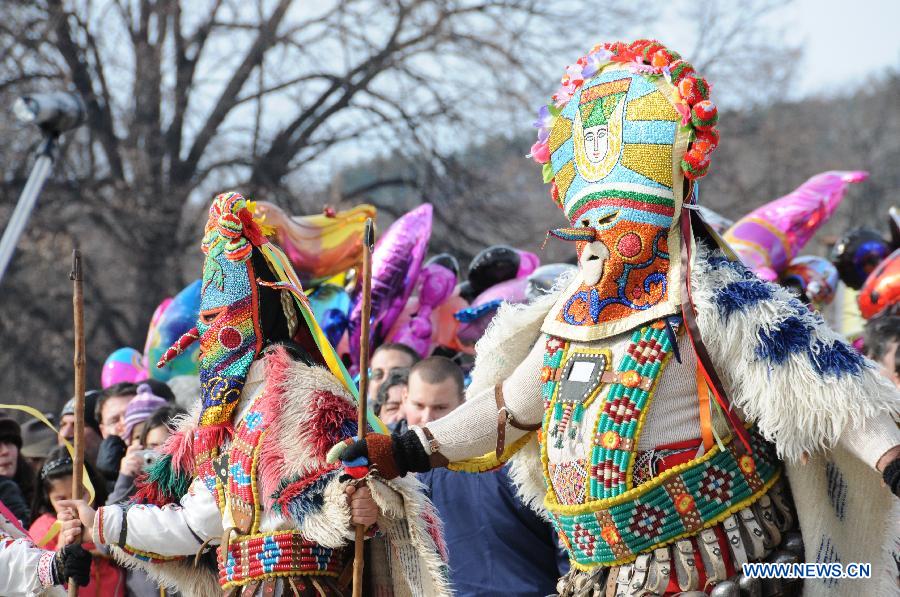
point(785, 370)
point(407, 560)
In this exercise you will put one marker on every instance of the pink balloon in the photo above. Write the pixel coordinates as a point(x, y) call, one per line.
point(528, 263)
point(770, 236)
point(396, 263)
point(123, 365)
point(511, 291)
point(436, 283)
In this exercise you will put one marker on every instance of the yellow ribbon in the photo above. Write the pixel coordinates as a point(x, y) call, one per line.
point(52, 532)
point(86, 479)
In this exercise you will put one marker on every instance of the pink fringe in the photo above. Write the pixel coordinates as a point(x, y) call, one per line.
point(180, 446)
point(330, 413)
point(271, 457)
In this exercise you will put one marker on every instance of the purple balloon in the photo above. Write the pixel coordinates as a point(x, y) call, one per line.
point(436, 284)
point(396, 263)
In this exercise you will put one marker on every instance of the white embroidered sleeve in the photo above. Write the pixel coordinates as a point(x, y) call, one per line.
point(168, 531)
point(471, 430)
point(24, 568)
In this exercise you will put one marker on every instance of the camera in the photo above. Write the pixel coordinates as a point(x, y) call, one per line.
point(148, 458)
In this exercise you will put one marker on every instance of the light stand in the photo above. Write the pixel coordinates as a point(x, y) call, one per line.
point(46, 154)
point(53, 113)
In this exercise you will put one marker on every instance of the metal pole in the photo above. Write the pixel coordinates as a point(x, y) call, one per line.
point(39, 174)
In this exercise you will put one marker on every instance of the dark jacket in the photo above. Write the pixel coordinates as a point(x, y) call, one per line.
point(497, 545)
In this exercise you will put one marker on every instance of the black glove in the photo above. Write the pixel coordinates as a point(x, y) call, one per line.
point(891, 476)
point(109, 456)
point(11, 496)
point(392, 455)
point(74, 562)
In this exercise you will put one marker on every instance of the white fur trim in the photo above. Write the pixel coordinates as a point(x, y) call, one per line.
point(792, 404)
point(330, 526)
point(178, 574)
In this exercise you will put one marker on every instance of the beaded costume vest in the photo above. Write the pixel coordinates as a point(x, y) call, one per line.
point(597, 397)
point(251, 556)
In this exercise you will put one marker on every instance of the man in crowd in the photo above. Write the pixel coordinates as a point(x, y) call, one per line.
point(435, 388)
point(385, 359)
point(110, 409)
point(390, 397)
point(110, 412)
point(524, 557)
point(37, 441)
point(92, 436)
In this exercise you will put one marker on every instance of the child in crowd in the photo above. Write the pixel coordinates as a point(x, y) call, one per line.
point(55, 485)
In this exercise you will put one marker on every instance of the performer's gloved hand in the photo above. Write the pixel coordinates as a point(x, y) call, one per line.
point(72, 561)
point(390, 455)
point(109, 456)
point(891, 476)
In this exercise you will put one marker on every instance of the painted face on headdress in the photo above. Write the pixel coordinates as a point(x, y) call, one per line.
point(615, 152)
point(228, 324)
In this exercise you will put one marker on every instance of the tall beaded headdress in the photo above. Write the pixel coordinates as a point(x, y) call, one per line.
point(628, 126)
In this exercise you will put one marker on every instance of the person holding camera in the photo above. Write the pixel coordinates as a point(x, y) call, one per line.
point(148, 422)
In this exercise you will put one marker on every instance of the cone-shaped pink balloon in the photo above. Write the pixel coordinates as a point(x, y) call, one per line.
point(770, 236)
point(396, 263)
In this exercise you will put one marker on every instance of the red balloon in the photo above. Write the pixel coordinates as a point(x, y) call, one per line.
point(882, 287)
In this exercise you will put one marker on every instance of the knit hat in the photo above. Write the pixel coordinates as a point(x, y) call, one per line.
point(10, 432)
point(140, 408)
point(37, 439)
point(90, 406)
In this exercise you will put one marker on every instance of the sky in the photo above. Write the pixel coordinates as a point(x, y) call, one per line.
point(843, 41)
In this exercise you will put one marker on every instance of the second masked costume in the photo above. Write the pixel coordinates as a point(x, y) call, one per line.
point(659, 407)
point(243, 486)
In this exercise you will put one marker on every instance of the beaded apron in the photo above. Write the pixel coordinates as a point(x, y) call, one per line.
point(253, 556)
point(608, 521)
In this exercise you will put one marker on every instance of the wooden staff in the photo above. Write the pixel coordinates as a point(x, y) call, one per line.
point(368, 247)
point(79, 361)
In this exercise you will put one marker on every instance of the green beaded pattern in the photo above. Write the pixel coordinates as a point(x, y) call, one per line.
point(680, 502)
point(618, 426)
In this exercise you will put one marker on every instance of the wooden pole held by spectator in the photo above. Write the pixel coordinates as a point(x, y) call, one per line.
point(79, 362)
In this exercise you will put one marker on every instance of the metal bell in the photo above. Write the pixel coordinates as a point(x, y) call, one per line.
point(726, 588)
point(783, 556)
point(793, 542)
point(750, 587)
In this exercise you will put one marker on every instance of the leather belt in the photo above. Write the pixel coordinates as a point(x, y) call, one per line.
point(504, 417)
point(435, 458)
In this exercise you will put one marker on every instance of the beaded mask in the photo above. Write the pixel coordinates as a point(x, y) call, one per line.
point(626, 128)
point(228, 325)
point(250, 295)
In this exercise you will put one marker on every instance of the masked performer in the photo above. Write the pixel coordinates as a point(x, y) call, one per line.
point(27, 570)
point(655, 406)
point(247, 472)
